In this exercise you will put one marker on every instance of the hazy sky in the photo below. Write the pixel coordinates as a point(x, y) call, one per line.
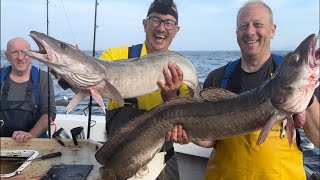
point(205, 24)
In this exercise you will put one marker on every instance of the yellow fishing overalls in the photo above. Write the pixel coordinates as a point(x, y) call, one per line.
point(240, 158)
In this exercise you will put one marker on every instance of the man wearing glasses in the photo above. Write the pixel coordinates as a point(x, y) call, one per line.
point(24, 96)
point(160, 26)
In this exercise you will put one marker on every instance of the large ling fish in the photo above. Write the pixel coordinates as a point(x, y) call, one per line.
point(116, 80)
point(220, 115)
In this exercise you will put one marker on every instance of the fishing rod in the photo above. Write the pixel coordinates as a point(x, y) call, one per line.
point(93, 54)
point(48, 69)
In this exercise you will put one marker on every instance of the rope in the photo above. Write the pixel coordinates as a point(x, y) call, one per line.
point(65, 13)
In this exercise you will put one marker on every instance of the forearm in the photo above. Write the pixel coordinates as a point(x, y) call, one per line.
point(312, 125)
point(40, 127)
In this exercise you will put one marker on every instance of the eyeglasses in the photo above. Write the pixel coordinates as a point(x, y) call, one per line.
point(16, 53)
point(155, 22)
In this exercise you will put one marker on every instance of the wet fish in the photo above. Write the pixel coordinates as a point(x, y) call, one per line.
point(102, 79)
point(222, 114)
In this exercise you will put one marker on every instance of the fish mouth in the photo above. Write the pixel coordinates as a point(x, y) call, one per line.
point(314, 53)
point(45, 52)
point(42, 50)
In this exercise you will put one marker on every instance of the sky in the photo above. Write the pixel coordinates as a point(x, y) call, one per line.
point(205, 25)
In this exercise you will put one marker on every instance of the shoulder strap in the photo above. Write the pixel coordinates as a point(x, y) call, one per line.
point(5, 89)
point(228, 72)
point(5, 72)
point(35, 76)
point(134, 51)
point(231, 66)
point(35, 73)
point(278, 59)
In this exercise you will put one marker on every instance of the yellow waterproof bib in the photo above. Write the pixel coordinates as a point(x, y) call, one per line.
point(147, 101)
point(239, 158)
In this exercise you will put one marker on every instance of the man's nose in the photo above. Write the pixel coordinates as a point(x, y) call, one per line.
point(21, 55)
point(161, 26)
point(251, 29)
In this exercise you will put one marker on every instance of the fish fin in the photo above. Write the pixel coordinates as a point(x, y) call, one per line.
point(267, 128)
point(216, 94)
point(79, 96)
point(113, 93)
point(291, 131)
point(97, 97)
point(87, 80)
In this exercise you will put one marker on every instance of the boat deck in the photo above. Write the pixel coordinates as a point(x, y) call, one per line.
point(82, 154)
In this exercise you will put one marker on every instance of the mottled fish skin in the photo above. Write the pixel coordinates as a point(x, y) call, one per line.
point(115, 80)
point(221, 114)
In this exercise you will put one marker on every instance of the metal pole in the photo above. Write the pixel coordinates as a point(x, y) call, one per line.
point(49, 123)
point(93, 54)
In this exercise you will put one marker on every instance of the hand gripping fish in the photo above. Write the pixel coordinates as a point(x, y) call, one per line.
point(116, 80)
point(220, 115)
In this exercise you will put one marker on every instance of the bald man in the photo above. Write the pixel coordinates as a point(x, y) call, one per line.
point(24, 96)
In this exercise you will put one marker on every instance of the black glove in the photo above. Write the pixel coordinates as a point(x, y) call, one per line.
point(63, 83)
point(311, 101)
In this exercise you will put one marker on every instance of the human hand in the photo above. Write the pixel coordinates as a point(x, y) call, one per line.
point(177, 135)
point(21, 136)
point(173, 82)
point(299, 119)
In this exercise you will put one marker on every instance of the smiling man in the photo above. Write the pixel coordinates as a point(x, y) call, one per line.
point(160, 26)
point(239, 157)
point(274, 159)
point(24, 96)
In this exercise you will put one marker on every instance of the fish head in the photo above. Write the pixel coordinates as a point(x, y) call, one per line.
point(58, 55)
point(85, 74)
point(297, 77)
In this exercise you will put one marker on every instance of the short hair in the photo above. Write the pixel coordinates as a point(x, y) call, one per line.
point(256, 2)
point(9, 43)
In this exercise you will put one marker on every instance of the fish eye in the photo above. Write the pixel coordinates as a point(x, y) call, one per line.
point(295, 58)
point(62, 45)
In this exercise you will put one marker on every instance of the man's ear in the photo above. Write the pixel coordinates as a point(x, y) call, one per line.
point(144, 23)
point(177, 28)
point(273, 30)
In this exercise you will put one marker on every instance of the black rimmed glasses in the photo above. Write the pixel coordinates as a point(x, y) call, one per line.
point(168, 24)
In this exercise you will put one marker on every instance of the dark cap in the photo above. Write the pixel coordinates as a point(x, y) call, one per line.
point(163, 7)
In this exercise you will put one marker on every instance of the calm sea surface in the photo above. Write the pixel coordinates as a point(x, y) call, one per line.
point(204, 62)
